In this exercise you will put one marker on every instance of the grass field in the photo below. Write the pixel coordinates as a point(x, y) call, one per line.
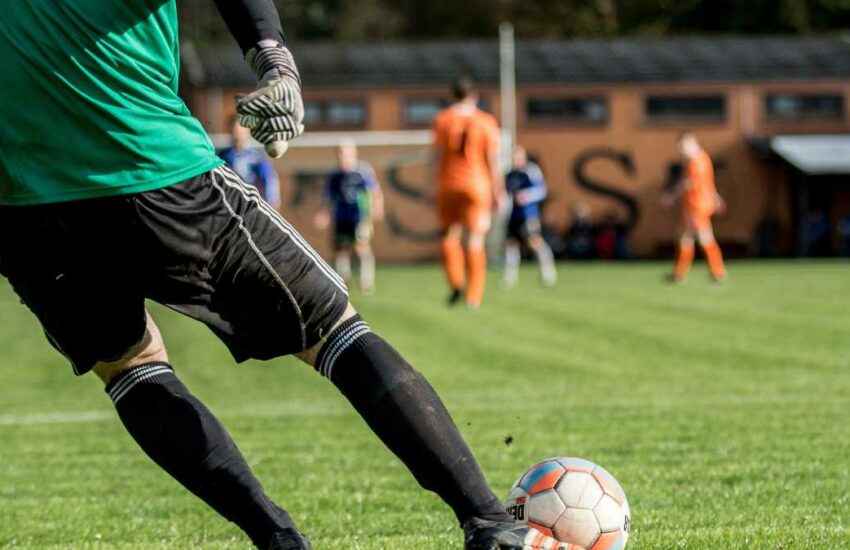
point(724, 411)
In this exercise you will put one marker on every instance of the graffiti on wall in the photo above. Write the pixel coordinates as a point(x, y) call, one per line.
point(411, 192)
point(309, 185)
point(624, 160)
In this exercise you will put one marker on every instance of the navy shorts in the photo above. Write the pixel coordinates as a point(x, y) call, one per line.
point(522, 229)
point(347, 233)
point(209, 247)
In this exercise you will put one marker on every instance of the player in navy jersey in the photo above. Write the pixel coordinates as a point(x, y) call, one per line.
point(251, 163)
point(353, 201)
point(527, 188)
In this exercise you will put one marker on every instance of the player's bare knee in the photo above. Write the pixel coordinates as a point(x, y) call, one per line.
point(453, 232)
point(535, 242)
point(310, 356)
point(475, 241)
point(706, 237)
point(106, 371)
point(150, 349)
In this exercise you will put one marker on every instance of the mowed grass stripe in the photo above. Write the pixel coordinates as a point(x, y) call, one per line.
point(723, 411)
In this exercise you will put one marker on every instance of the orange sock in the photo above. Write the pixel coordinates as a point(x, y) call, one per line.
point(683, 261)
point(476, 267)
point(715, 260)
point(453, 262)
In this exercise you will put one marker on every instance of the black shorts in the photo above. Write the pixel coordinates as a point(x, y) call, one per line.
point(348, 233)
point(209, 247)
point(523, 229)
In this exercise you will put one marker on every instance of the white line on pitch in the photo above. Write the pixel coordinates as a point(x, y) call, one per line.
point(270, 411)
point(54, 418)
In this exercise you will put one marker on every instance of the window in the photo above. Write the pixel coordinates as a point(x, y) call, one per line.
point(582, 110)
point(345, 113)
point(698, 107)
point(312, 113)
point(335, 113)
point(420, 111)
point(804, 106)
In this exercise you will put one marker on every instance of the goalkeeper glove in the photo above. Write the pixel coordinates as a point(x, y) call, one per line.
point(275, 111)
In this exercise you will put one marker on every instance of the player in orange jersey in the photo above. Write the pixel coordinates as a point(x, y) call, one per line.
point(700, 201)
point(466, 157)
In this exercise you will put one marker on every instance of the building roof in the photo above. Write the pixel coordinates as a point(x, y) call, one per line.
point(814, 155)
point(679, 59)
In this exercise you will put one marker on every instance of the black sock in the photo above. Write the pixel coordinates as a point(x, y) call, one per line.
point(406, 413)
point(183, 437)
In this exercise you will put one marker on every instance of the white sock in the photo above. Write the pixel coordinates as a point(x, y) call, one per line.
point(343, 266)
point(548, 274)
point(512, 261)
point(367, 272)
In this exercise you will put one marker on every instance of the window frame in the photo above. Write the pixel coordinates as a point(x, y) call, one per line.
point(408, 100)
point(567, 121)
point(774, 118)
point(679, 118)
point(484, 103)
point(324, 106)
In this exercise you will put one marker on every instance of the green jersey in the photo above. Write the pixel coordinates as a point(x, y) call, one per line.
point(89, 104)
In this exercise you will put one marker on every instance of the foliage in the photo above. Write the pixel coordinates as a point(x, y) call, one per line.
point(415, 19)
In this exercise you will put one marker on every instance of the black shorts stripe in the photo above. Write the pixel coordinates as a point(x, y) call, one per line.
point(264, 260)
point(251, 194)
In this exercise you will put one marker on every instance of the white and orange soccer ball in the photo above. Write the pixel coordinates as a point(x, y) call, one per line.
point(573, 501)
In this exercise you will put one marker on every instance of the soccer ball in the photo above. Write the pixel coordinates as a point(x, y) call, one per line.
point(573, 501)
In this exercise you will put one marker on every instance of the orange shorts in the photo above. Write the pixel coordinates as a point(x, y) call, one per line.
point(467, 209)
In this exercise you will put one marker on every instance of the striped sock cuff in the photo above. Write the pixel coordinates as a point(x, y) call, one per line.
point(119, 386)
point(340, 340)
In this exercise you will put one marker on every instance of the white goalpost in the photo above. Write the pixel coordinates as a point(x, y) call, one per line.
point(507, 88)
point(507, 94)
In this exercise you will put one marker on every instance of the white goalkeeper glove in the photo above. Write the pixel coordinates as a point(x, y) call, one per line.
point(275, 111)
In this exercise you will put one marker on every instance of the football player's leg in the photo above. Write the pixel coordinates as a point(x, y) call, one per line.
point(684, 257)
point(545, 258)
point(512, 261)
point(405, 412)
point(186, 440)
point(342, 263)
point(685, 253)
point(451, 245)
point(454, 260)
point(274, 296)
point(713, 255)
point(342, 251)
point(366, 258)
point(87, 288)
point(478, 223)
point(476, 269)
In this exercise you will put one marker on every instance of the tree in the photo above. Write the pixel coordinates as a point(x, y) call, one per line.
point(362, 20)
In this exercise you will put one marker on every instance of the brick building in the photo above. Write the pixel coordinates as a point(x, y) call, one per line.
point(601, 116)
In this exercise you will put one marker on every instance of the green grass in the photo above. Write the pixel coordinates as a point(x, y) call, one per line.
point(724, 412)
